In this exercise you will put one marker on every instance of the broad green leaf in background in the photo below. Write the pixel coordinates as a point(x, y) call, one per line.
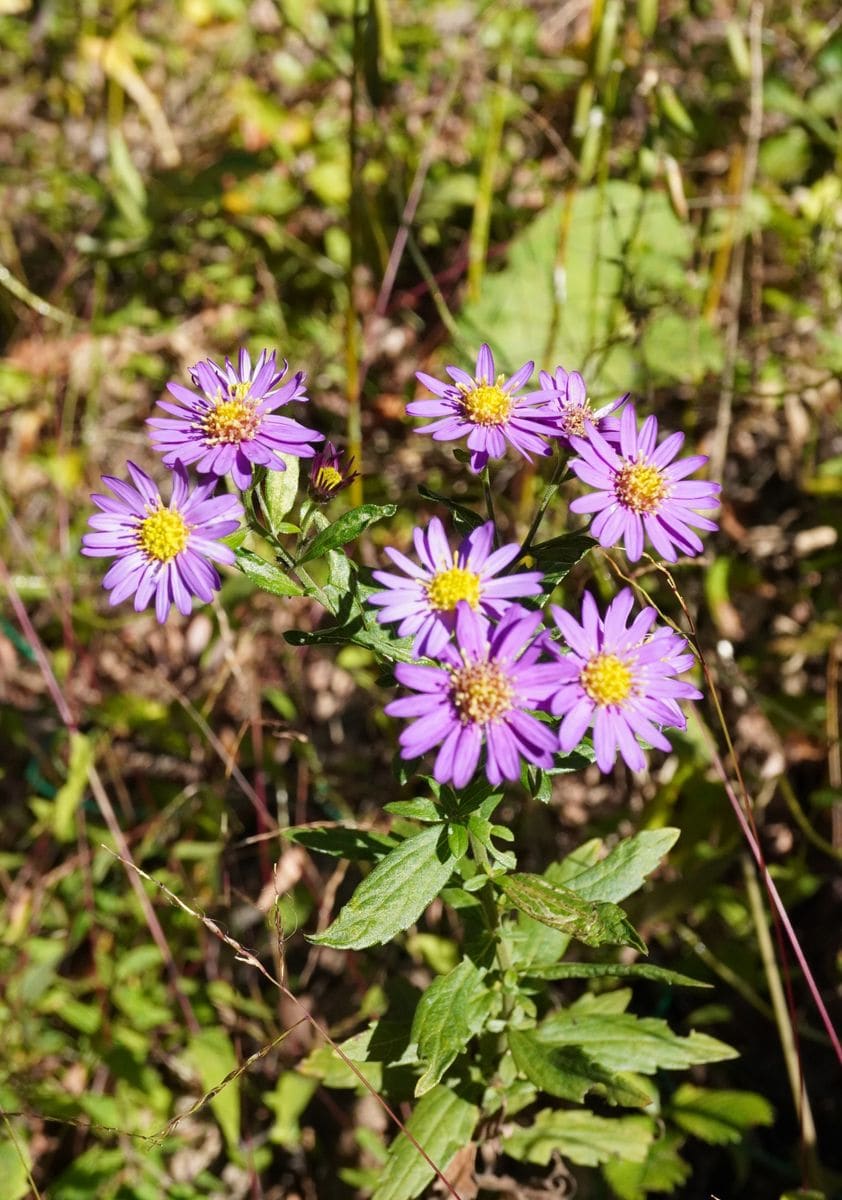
point(616, 232)
point(569, 1073)
point(70, 794)
point(394, 895)
point(717, 1116)
point(594, 923)
point(441, 1122)
point(448, 1014)
point(348, 527)
point(211, 1055)
point(624, 1042)
point(662, 1170)
point(582, 1137)
point(266, 575)
point(14, 1163)
point(288, 1100)
point(624, 870)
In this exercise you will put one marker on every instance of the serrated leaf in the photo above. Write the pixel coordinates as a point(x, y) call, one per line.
point(624, 1042)
point(575, 970)
point(441, 1122)
point(557, 557)
point(448, 1014)
point(582, 1137)
point(624, 870)
point(341, 841)
point(662, 1170)
point(569, 1073)
point(594, 923)
point(212, 1056)
point(266, 575)
point(718, 1116)
point(279, 491)
point(348, 527)
point(394, 895)
point(465, 519)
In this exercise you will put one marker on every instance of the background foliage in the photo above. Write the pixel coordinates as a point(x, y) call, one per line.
point(651, 194)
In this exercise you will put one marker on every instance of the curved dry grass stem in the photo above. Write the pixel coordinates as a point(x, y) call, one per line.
point(250, 959)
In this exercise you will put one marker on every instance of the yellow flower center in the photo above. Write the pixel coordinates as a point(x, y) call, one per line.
point(487, 403)
point(640, 487)
point(328, 478)
point(481, 692)
point(447, 588)
point(163, 534)
point(234, 419)
point(606, 679)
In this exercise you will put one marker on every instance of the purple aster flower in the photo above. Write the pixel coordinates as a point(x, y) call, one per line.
point(425, 598)
point(487, 410)
point(573, 409)
point(232, 426)
point(641, 490)
point(327, 474)
point(620, 678)
point(161, 550)
point(480, 694)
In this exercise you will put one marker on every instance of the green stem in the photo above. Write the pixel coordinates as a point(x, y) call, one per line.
point(489, 503)
point(558, 477)
point(492, 918)
point(789, 1044)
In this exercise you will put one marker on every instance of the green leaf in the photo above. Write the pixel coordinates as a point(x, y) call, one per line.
point(465, 519)
point(422, 808)
point(595, 924)
point(623, 870)
point(662, 1170)
point(442, 1123)
point(279, 491)
point(394, 895)
point(348, 527)
point(341, 841)
point(212, 1056)
point(70, 794)
point(569, 1073)
point(448, 1014)
point(533, 942)
point(582, 1137)
point(719, 1117)
point(575, 970)
point(290, 1097)
point(614, 230)
point(557, 557)
point(624, 1042)
point(266, 575)
point(15, 1163)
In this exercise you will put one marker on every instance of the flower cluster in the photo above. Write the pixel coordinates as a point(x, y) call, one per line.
point(227, 427)
point(499, 679)
point(493, 687)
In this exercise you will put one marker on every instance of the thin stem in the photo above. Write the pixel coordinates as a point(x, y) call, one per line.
point(786, 1033)
point(489, 503)
point(558, 477)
